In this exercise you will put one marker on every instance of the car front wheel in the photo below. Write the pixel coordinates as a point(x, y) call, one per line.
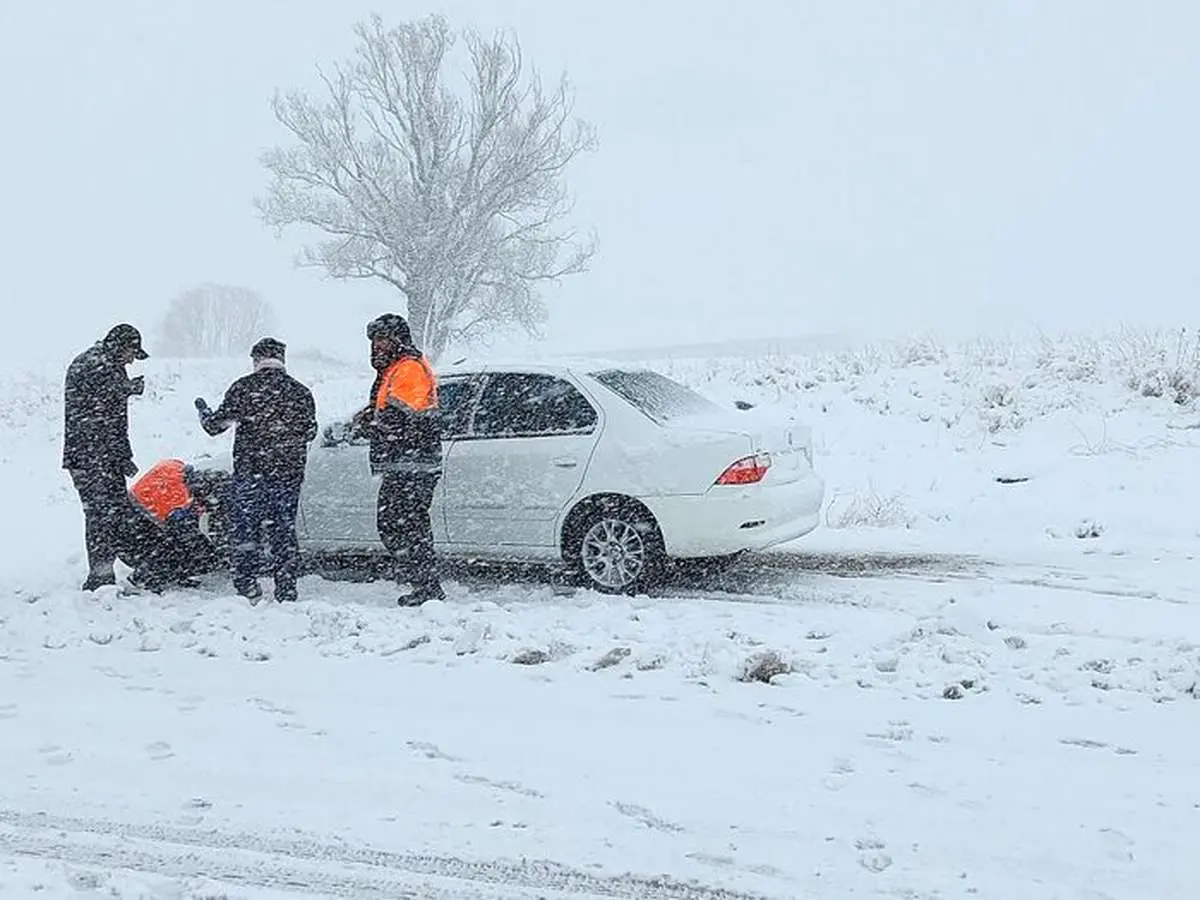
point(617, 550)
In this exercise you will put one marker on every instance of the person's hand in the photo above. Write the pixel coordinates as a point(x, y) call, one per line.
point(137, 385)
point(131, 469)
point(202, 408)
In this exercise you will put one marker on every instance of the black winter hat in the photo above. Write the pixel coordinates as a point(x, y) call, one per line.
point(125, 337)
point(390, 326)
point(269, 348)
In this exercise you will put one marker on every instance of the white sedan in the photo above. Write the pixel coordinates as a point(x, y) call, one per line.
point(613, 470)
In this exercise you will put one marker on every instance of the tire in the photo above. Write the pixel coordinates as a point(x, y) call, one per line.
point(614, 547)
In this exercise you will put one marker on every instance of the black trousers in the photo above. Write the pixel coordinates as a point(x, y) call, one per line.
point(114, 526)
point(405, 527)
point(179, 550)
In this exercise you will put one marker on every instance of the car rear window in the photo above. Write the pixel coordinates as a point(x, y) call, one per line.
point(658, 396)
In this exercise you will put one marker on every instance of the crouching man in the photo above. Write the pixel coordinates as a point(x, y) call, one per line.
point(276, 419)
point(174, 496)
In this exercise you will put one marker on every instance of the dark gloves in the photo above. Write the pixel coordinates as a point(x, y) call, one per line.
point(202, 408)
point(137, 386)
point(131, 469)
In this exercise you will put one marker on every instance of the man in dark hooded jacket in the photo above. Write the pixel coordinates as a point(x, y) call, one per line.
point(96, 448)
point(406, 449)
point(276, 420)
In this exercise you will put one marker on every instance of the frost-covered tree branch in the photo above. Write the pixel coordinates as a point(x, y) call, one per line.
point(214, 320)
point(453, 194)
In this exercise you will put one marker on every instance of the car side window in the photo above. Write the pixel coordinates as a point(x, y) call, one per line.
point(455, 397)
point(526, 404)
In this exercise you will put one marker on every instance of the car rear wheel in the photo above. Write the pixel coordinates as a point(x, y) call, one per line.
point(616, 548)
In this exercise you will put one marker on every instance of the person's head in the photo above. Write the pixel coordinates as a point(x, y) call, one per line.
point(389, 336)
point(124, 343)
point(268, 350)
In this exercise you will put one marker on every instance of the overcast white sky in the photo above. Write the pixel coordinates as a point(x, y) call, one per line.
point(790, 167)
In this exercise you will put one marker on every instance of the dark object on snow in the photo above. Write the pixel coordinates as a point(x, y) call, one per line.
point(96, 450)
point(530, 656)
point(406, 447)
point(276, 419)
point(1012, 479)
point(743, 404)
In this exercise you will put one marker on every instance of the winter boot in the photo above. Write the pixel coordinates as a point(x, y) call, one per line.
point(251, 590)
point(422, 594)
point(143, 581)
point(100, 576)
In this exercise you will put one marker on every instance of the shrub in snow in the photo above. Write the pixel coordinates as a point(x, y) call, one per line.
point(763, 667)
point(867, 510)
point(529, 657)
point(612, 658)
point(999, 407)
point(1088, 529)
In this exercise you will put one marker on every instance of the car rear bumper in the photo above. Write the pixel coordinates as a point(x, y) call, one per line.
point(731, 519)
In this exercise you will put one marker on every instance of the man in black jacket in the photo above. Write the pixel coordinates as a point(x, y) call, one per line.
point(276, 420)
point(96, 448)
point(406, 448)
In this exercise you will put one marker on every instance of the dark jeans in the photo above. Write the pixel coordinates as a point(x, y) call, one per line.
point(402, 516)
point(179, 551)
point(114, 526)
point(259, 504)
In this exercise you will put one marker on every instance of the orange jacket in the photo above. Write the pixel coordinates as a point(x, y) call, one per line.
point(405, 434)
point(409, 380)
point(162, 490)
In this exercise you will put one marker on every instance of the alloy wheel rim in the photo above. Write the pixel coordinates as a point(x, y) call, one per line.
point(613, 553)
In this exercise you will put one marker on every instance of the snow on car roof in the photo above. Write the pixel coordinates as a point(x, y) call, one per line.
point(537, 364)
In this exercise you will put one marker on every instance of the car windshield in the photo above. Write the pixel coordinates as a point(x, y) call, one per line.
point(659, 397)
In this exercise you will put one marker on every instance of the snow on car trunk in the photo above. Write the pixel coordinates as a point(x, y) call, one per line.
point(746, 445)
point(773, 442)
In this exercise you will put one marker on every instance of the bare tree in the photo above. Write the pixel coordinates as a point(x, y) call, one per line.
point(456, 198)
point(213, 320)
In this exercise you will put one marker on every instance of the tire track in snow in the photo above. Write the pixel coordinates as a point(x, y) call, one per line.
point(311, 866)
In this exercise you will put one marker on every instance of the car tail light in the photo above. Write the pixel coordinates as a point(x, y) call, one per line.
point(747, 470)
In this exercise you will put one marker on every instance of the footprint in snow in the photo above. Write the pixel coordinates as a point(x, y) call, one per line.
point(159, 750)
point(839, 775)
point(268, 707)
point(645, 817)
point(1116, 845)
point(8, 711)
point(55, 755)
point(513, 787)
point(871, 855)
point(431, 751)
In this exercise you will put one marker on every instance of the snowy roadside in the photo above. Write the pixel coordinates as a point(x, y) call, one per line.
point(931, 736)
point(954, 688)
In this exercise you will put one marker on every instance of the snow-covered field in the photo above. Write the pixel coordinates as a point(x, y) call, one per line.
point(979, 678)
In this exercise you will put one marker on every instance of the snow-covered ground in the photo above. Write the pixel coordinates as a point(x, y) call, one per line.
point(977, 679)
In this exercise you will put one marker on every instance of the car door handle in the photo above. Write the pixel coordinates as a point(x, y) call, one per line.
point(565, 462)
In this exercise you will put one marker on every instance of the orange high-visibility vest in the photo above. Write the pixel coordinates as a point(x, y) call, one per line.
point(409, 381)
point(162, 489)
